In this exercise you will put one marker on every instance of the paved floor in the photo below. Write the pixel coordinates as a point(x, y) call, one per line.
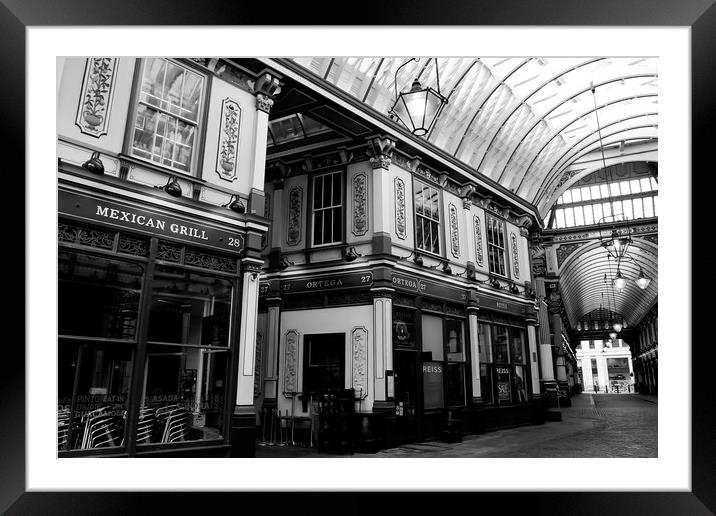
point(596, 425)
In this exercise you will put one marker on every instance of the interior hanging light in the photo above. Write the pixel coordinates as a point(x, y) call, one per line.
point(642, 281)
point(619, 281)
point(418, 108)
point(612, 335)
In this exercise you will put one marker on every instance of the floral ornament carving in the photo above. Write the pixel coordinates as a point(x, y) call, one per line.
point(229, 141)
point(360, 204)
point(359, 343)
point(563, 251)
point(478, 240)
point(290, 378)
point(454, 231)
point(515, 256)
point(400, 223)
point(93, 112)
point(257, 365)
point(295, 203)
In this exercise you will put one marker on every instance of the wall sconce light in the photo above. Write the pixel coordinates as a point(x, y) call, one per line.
point(471, 275)
point(172, 187)
point(495, 283)
point(416, 258)
point(446, 268)
point(235, 204)
point(94, 164)
point(285, 263)
point(351, 255)
point(513, 288)
point(254, 275)
point(613, 335)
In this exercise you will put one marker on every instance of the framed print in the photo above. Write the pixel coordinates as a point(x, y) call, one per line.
point(179, 154)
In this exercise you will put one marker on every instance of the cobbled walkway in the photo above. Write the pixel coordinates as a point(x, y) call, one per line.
point(596, 425)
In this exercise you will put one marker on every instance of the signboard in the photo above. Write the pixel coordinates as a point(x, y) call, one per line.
point(145, 221)
point(428, 288)
point(500, 305)
point(324, 283)
point(503, 384)
point(433, 385)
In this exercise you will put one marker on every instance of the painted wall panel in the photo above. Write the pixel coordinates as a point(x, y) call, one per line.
point(70, 96)
point(480, 242)
point(359, 203)
point(408, 241)
point(215, 128)
point(327, 320)
point(453, 202)
point(295, 200)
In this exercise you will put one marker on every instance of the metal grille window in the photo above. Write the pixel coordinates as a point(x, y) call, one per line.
point(167, 114)
point(327, 208)
point(427, 218)
point(496, 245)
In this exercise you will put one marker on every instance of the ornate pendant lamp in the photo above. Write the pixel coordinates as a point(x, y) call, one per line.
point(419, 107)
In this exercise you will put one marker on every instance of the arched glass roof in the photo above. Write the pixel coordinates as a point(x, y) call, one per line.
point(522, 121)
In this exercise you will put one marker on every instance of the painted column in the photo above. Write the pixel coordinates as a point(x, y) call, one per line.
point(383, 347)
point(383, 212)
point(587, 374)
point(474, 353)
point(266, 87)
point(531, 321)
point(469, 231)
point(273, 333)
point(547, 381)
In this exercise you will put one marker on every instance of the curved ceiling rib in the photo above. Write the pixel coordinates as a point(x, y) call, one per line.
point(502, 114)
point(547, 178)
point(526, 133)
point(583, 282)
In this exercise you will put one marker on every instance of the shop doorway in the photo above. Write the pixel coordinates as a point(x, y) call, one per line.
point(324, 356)
point(406, 364)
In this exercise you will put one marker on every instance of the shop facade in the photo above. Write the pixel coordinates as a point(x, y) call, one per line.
point(160, 223)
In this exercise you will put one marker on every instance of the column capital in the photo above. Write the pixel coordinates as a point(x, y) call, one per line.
point(381, 148)
point(382, 292)
point(266, 87)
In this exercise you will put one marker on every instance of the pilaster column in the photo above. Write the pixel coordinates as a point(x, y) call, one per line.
point(532, 343)
point(266, 88)
point(247, 332)
point(587, 374)
point(547, 381)
point(602, 372)
point(555, 311)
point(381, 149)
point(474, 353)
point(273, 333)
point(383, 347)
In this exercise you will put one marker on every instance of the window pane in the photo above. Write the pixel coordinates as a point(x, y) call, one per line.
point(336, 189)
point(516, 346)
point(486, 383)
point(560, 218)
point(97, 297)
point(614, 188)
point(419, 235)
point(604, 190)
point(455, 382)
point(499, 344)
point(624, 186)
point(576, 195)
point(606, 209)
point(519, 387)
point(586, 195)
point(318, 192)
point(318, 227)
point(101, 375)
point(432, 336)
point(419, 199)
point(484, 344)
point(337, 225)
point(455, 340)
point(638, 208)
point(627, 207)
point(578, 216)
point(435, 204)
point(617, 209)
point(635, 186)
point(567, 196)
point(588, 214)
point(435, 233)
point(183, 395)
point(654, 183)
point(645, 184)
point(327, 226)
point(569, 217)
point(597, 213)
point(594, 190)
point(656, 206)
point(648, 207)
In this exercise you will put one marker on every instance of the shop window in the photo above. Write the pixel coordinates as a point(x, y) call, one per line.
point(427, 218)
point(455, 366)
point(167, 114)
point(98, 302)
point(187, 357)
point(324, 362)
point(496, 245)
point(503, 373)
point(327, 209)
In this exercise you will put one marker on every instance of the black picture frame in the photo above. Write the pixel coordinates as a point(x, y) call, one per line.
point(700, 15)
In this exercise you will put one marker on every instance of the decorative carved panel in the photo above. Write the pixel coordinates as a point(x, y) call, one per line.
point(257, 365)
point(400, 222)
point(229, 140)
point(360, 205)
point(478, 240)
point(295, 207)
point(97, 91)
point(454, 231)
point(564, 251)
point(515, 256)
point(359, 353)
point(291, 373)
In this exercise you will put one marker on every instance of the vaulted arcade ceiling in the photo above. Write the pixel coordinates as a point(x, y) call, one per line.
point(528, 123)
